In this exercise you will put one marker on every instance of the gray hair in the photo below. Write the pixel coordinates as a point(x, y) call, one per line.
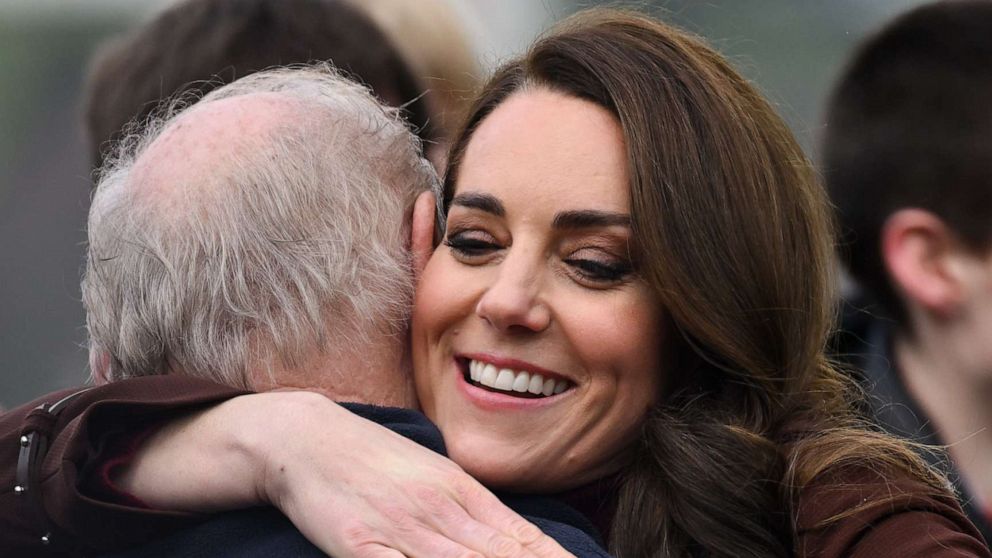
point(302, 252)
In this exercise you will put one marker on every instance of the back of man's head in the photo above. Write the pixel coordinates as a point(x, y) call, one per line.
point(910, 126)
point(198, 45)
point(259, 228)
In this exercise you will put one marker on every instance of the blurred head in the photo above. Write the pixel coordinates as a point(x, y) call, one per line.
point(255, 235)
point(908, 157)
point(659, 244)
point(198, 45)
point(434, 40)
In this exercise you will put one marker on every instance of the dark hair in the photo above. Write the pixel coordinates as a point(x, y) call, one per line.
point(198, 45)
point(909, 125)
point(734, 238)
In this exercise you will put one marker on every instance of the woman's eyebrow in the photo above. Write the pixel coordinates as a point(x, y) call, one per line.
point(589, 218)
point(482, 202)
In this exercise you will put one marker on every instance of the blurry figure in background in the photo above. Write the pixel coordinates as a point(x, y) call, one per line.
point(198, 45)
point(908, 162)
point(435, 43)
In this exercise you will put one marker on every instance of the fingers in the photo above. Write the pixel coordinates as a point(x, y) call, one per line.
point(457, 525)
point(486, 540)
point(378, 551)
point(546, 547)
point(407, 536)
point(496, 544)
point(495, 530)
point(429, 544)
point(487, 510)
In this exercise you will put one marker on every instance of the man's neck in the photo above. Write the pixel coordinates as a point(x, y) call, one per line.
point(377, 375)
point(956, 399)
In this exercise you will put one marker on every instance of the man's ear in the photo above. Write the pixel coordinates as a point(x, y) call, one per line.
point(924, 260)
point(100, 367)
point(422, 231)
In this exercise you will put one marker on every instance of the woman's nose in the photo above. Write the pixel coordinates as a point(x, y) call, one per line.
point(512, 302)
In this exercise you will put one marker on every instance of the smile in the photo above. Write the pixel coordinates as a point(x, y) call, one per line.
point(517, 383)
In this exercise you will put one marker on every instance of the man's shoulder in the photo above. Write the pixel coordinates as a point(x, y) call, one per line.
point(266, 533)
point(408, 423)
point(252, 533)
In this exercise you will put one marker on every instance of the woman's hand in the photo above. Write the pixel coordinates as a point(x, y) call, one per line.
point(352, 487)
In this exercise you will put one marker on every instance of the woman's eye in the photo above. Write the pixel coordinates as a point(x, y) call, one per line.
point(600, 271)
point(471, 243)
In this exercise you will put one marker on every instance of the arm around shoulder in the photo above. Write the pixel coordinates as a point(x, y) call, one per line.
point(295, 450)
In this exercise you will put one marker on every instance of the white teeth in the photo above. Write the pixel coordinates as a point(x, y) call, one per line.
point(521, 382)
point(505, 380)
point(488, 377)
point(549, 387)
point(510, 380)
point(536, 384)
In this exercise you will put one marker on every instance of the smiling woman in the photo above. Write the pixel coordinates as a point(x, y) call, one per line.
point(626, 306)
point(534, 282)
point(628, 216)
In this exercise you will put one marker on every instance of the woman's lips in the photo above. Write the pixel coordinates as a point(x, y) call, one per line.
point(512, 378)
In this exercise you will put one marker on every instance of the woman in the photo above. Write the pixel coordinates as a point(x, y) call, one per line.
point(632, 288)
point(624, 210)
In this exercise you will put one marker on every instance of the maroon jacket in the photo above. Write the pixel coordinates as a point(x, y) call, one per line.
point(76, 439)
point(910, 523)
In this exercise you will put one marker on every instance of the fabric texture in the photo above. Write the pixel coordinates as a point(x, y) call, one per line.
point(85, 524)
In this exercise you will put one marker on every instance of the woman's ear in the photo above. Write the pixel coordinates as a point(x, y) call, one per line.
point(422, 231)
point(923, 259)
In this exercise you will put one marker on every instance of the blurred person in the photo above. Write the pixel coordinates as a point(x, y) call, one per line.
point(259, 239)
point(908, 162)
point(198, 45)
point(434, 40)
point(663, 270)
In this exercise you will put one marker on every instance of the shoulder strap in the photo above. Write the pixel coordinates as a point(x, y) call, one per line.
point(34, 445)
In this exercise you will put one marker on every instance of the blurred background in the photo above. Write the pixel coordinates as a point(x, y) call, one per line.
point(792, 49)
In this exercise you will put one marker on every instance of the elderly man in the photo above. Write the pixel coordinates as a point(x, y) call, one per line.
point(258, 240)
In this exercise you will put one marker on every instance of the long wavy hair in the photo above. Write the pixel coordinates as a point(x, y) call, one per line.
point(735, 238)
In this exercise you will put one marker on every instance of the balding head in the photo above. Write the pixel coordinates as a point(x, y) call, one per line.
point(262, 226)
point(212, 135)
point(197, 156)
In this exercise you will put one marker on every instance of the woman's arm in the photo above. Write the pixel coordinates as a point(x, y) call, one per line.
point(63, 445)
point(352, 487)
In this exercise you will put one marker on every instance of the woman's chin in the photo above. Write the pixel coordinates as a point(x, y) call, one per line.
point(509, 468)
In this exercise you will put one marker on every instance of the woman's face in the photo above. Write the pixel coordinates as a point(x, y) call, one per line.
point(536, 346)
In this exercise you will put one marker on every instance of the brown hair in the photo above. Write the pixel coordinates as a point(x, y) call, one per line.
point(198, 45)
point(735, 238)
point(909, 126)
